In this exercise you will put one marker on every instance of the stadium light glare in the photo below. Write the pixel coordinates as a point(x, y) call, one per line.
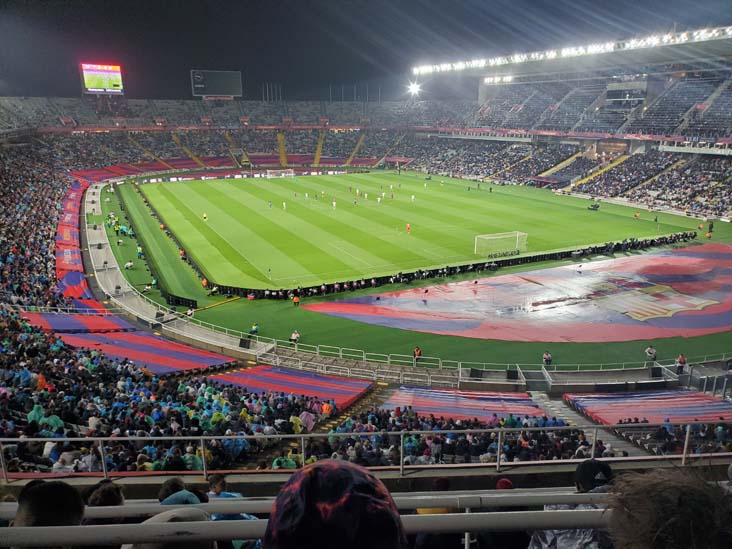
point(651, 41)
point(414, 88)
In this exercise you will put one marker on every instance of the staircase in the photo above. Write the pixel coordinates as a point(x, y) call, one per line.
point(148, 152)
point(281, 149)
point(392, 147)
point(356, 148)
point(609, 166)
point(232, 147)
point(319, 147)
point(559, 409)
point(187, 150)
point(673, 166)
point(562, 164)
point(375, 397)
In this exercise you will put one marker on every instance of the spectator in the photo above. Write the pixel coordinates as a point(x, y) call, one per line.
point(670, 509)
point(174, 492)
point(53, 503)
point(546, 358)
point(331, 505)
point(651, 353)
point(591, 476)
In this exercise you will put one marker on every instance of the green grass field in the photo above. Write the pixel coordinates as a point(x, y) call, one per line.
point(246, 243)
point(551, 221)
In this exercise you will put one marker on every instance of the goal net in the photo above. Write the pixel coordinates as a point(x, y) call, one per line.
point(500, 244)
point(271, 174)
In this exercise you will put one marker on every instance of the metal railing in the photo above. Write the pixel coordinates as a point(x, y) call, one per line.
point(254, 529)
point(501, 436)
point(485, 499)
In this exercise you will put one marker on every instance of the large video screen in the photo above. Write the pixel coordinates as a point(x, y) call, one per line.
point(216, 83)
point(98, 78)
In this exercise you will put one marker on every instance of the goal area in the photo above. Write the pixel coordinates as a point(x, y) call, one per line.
point(272, 174)
point(499, 244)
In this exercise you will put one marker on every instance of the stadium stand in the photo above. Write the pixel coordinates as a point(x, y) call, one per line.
point(666, 113)
point(631, 173)
point(654, 406)
point(343, 392)
point(701, 186)
point(488, 407)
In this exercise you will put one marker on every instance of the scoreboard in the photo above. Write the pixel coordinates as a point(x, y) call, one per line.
point(216, 83)
point(101, 79)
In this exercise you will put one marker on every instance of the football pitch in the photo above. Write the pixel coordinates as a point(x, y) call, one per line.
point(272, 233)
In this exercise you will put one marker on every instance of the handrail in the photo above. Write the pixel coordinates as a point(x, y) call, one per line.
point(255, 529)
point(499, 432)
point(483, 499)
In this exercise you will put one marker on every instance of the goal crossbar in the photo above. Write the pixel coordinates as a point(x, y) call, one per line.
point(280, 173)
point(500, 242)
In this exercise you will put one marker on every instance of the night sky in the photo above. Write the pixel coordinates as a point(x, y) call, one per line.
point(304, 45)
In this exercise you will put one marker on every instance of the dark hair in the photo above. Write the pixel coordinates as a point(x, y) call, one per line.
point(170, 487)
point(592, 473)
point(106, 495)
point(52, 503)
point(670, 509)
point(216, 479)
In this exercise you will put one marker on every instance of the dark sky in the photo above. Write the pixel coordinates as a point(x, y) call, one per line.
point(304, 45)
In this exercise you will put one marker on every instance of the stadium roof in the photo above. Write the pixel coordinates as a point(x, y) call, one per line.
point(700, 46)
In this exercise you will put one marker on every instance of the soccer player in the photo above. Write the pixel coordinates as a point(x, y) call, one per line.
point(334, 203)
point(270, 204)
point(378, 200)
point(409, 229)
point(205, 216)
point(284, 205)
point(412, 199)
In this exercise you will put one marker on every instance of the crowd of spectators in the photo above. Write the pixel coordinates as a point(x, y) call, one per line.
point(301, 141)
point(31, 189)
point(702, 186)
point(540, 161)
point(50, 390)
point(628, 174)
point(340, 144)
point(206, 143)
point(380, 442)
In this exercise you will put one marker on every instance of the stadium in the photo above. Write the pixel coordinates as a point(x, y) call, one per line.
point(361, 318)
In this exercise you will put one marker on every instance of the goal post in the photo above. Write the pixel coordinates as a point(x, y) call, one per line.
point(496, 244)
point(272, 174)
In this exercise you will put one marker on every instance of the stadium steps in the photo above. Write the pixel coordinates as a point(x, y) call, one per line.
point(373, 398)
point(356, 148)
point(558, 408)
point(562, 164)
point(233, 147)
point(148, 152)
point(319, 147)
point(187, 150)
point(650, 180)
point(393, 146)
point(609, 166)
point(281, 149)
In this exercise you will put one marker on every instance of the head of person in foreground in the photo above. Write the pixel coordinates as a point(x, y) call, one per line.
point(334, 504)
point(670, 509)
